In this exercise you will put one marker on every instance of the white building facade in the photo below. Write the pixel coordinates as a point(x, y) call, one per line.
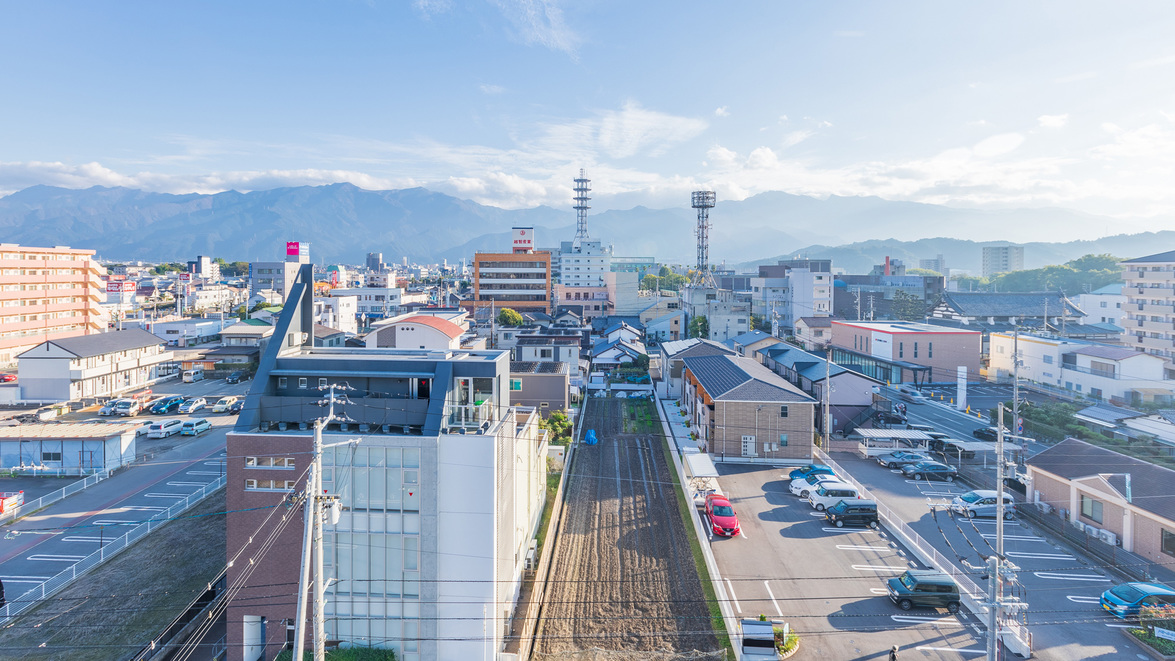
point(100, 365)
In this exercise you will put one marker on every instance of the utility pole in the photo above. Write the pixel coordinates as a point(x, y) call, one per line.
point(827, 394)
point(312, 546)
point(995, 592)
point(1016, 383)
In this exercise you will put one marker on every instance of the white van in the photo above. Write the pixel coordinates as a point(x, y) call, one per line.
point(165, 428)
point(827, 494)
point(194, 375)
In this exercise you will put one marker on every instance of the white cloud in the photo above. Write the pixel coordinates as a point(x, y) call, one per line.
point(1053, 121)
point(539, 22)
point(491, 89)
point(998, 145)
point(796, 137)
point(721, 112)
point(431, 7)
point(631, 131)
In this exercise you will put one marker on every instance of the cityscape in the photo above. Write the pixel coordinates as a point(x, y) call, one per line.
point(312, 368)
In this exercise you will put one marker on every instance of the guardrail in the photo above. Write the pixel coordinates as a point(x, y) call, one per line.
point(50, 498)
point(55, 584)
point(973, 595)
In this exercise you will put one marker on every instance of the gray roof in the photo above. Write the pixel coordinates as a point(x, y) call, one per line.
point(539, 367)
point(817, 322)
point(751, 337)
point(85, 346)
point(1108, 414)
point(1150, 485)
point(1168, 256)
point(734, 378)
point(992, 304)
point(1107, 352)
point(695, 347)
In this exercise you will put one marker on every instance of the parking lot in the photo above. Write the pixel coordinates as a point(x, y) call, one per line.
point(1059, 585)
point(827, 583)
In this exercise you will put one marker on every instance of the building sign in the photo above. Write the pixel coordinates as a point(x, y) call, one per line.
point(523, 239)
point(880, 346)
point(297, 249)
point(1165, 634)
point(117, 287)
point(185, 277)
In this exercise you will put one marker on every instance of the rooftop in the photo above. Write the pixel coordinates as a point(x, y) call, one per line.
point(1168, 256)
point(443, 325)
point(1108, 352)
point(1072, 459)
point(734, 378)
point(97, 344)
point(69, 429)
point(993, 304)
point(903, 327)
point(540, 367)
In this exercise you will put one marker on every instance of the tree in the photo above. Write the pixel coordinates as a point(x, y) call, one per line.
point(921, 272)
point(907, 307)
point(509, 317)
point(760, 322)
point(650, 282)
point(559, 427)
point(699, 327)
point(665, 270)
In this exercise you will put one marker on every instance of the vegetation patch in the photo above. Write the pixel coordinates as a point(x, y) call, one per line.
point(348, 654)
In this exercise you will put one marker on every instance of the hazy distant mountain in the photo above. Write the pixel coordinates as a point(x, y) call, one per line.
point(343, 223)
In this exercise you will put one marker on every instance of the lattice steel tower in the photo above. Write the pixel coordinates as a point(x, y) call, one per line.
point(703, 201)
point(583, 186)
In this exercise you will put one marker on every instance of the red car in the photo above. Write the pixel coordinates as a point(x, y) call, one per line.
point(723, 520)
point(7, 378)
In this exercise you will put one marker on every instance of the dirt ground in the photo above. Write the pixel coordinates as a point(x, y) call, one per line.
point(623, 585)
point(112, 612)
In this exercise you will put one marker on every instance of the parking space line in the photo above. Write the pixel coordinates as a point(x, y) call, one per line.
point(742, 532)
point(24, 579)
point(1040, 556)
point(861, 547)
point(143, 508)
point(1071, 577)
point(878, 591)
point(960, 650)
point(773, 602)
point(87, 538)
point(51, 557)
point(1122, 626)
point(847, 529)
point(165, 495)
point(215, 463)
point(1017, 538)
point(918, 619)
point(114, 522)
point(187, 484)
point(216, 473)
point(993, 522)
point(1083, 600)
point(820, 514)
point(880, 568)
point(733, 598)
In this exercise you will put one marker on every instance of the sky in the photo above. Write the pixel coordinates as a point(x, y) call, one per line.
point(991, 105)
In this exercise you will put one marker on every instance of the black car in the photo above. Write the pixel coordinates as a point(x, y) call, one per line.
point(237, 407)
point(986, 434)
point(856, 512)
point(924, 588)
point(886, 418)
point(930, 470)
point(236, 377)
point(167, 405)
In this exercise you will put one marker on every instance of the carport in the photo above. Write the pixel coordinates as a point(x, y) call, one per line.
point(702, 474)
point(882, 441)
point(967, 449)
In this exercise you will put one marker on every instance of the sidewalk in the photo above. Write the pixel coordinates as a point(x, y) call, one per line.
point(675, 420)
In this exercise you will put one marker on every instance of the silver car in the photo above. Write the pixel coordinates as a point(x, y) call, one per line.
point(982, 502)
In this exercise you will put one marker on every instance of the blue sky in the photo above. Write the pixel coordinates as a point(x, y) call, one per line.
point(996, 104)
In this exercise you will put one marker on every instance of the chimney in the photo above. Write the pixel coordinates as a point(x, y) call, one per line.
point(887, 264)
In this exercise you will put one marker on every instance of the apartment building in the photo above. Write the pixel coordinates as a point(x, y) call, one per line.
point(1002, 259)
point(1149, 288)
point(279, 276)
point(47, 293)
point(906, 352)
point(1105, 305)
point(744, 412)
point(521, 281)
point(95, 365)
point(791, 289)
point(440, 482)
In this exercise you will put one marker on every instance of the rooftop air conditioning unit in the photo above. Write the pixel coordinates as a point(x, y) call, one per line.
point(302, 426)
point(1108, 537)
point(363, 427)
point(281, 426)
point(344, 426)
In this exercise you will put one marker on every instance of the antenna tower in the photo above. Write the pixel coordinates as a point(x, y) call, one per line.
point(703, 201)
point(583, 186)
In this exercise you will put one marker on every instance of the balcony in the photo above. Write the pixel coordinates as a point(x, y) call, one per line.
point(469, 416)
point(1136, 325)
point(373, 411)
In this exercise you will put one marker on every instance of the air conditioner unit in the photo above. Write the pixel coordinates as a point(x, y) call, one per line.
point(1044, 507)
point(1108, 537)
point(1092, 531)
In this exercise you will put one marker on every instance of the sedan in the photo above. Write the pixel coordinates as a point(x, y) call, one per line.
point(224, 403)
point(884, 418)
point(1123, 601)
point(236, 377)
point(192, 405)
point(901, 458)
point(7, 378)
point(986, 434)
point(720, 513)
point(167, 404)
point(237, 407)
point(930, 470)
point(802, 486)
point(809, 469)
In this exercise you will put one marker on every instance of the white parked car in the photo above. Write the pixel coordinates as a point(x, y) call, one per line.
point(165, 428)
point(827, 494)
point(802, 486)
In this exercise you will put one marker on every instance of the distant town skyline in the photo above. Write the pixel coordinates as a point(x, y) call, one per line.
point(1001, 105)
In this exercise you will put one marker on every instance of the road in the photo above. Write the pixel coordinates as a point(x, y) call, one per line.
point(827, 583)
point(41, 545)
point(1060, 586)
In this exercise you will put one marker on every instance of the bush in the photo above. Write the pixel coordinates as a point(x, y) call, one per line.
point(349, 654)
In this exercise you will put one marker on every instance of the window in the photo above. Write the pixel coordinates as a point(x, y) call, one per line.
point(915, 349)
point(516, 384)
point(1048, 360)
point(783, 411)
point(302, 382)
point(281, 382)
point(1091, 509)
point(930, 349)
point(1168, 543)
point(50, 456)
point(269, 485)
point(285, 463)
point(783, 440)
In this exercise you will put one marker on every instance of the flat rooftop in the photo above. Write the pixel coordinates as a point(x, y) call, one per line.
point(395, 355)
point(69, 429)
point(905, 327)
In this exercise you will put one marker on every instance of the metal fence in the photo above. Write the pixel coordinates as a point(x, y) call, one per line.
point(50, 498)
point(50, 587)
point(973, 595)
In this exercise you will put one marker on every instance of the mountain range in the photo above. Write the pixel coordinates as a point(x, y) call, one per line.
point(343, 222)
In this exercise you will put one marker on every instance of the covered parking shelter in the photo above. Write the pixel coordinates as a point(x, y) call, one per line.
point(876, 442)
point(702, 475)
point(77, 448)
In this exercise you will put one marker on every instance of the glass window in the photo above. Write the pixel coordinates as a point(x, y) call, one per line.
point(783, 440)
point(412, 458)
point(783, 411)
point(281, 382)
point(1091, 509)
point(901, 349)
point(1168, 542)
point(515, 384)
point(302, 382)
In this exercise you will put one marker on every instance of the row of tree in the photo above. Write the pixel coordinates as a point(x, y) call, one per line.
point(1077, 276)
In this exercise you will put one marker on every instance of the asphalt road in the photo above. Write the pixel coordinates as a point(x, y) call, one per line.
point(1060, 586)
point(827, 583)
point(41, 545)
